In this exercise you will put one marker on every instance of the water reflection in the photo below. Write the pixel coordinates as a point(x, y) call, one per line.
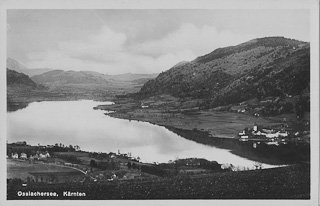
point(77, 123)
point(14, 106)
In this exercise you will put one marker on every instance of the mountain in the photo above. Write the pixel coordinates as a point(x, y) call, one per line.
point(270, 66)
point(61, 78)
point(18, 67)
point(128, 77)
point(20, 81)
point(15, 65)
point(37, 71)
point(132, 77)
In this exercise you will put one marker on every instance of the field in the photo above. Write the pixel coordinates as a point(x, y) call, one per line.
point(21, 169)
point(222, 122)
point(218, 124)
point(291, 182)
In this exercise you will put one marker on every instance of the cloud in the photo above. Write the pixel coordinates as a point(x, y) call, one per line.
point(189, 37)
point(109, 51)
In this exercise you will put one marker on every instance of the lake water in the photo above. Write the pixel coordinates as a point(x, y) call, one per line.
point(77, 123)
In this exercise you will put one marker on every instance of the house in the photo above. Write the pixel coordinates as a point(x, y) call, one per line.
point(15, 156)
point(244, 138)
point(283, 134)
point(243, 132)
point(23, 156)
point(273, 135)
point(44, 155)
point(258, 133)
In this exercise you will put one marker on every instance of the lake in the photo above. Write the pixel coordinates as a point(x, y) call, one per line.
point(77, 123)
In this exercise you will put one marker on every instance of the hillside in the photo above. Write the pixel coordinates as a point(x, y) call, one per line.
point(20, 85)
point(272, 66)
point(292, 182)
point(19, 80)
point(60, 77)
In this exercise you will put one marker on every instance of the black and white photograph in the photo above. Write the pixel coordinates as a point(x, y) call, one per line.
point(160, 101)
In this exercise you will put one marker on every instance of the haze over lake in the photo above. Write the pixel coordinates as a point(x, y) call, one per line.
point(77, 123)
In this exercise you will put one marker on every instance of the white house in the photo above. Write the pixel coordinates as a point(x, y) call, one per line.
point(44, 155)
point(15, 156)
point(243, 132)
point(273, 135)
point(244, 138)
point(23, 155)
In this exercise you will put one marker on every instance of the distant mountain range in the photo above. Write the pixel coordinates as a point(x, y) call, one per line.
point(60, 77)
point(26, 85)
point(128, 77)
point(51, 77)
point(18, 67)
point(271, 66)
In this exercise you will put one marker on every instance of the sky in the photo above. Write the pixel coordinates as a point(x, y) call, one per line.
point(117, 41)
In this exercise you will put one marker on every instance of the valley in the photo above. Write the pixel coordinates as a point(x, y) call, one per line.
point(237, 99)
point(29, 85)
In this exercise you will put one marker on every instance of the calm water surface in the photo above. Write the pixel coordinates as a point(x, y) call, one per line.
point(77, 123)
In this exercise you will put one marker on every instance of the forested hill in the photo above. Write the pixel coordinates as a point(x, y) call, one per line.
point(19, 80)
point(271, 66)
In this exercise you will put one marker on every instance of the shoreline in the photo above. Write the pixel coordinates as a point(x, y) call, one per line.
point(186, 125)
point(273, 155)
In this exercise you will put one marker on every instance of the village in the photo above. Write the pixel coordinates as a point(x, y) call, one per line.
point(275, 135)
point(121, 177)
point(59, 164)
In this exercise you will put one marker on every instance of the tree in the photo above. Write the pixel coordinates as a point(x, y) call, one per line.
point(76, 147)
point(93, 163)
point(129, 165)
point(258, 165)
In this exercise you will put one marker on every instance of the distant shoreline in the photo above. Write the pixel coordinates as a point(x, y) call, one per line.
point(278, 155)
